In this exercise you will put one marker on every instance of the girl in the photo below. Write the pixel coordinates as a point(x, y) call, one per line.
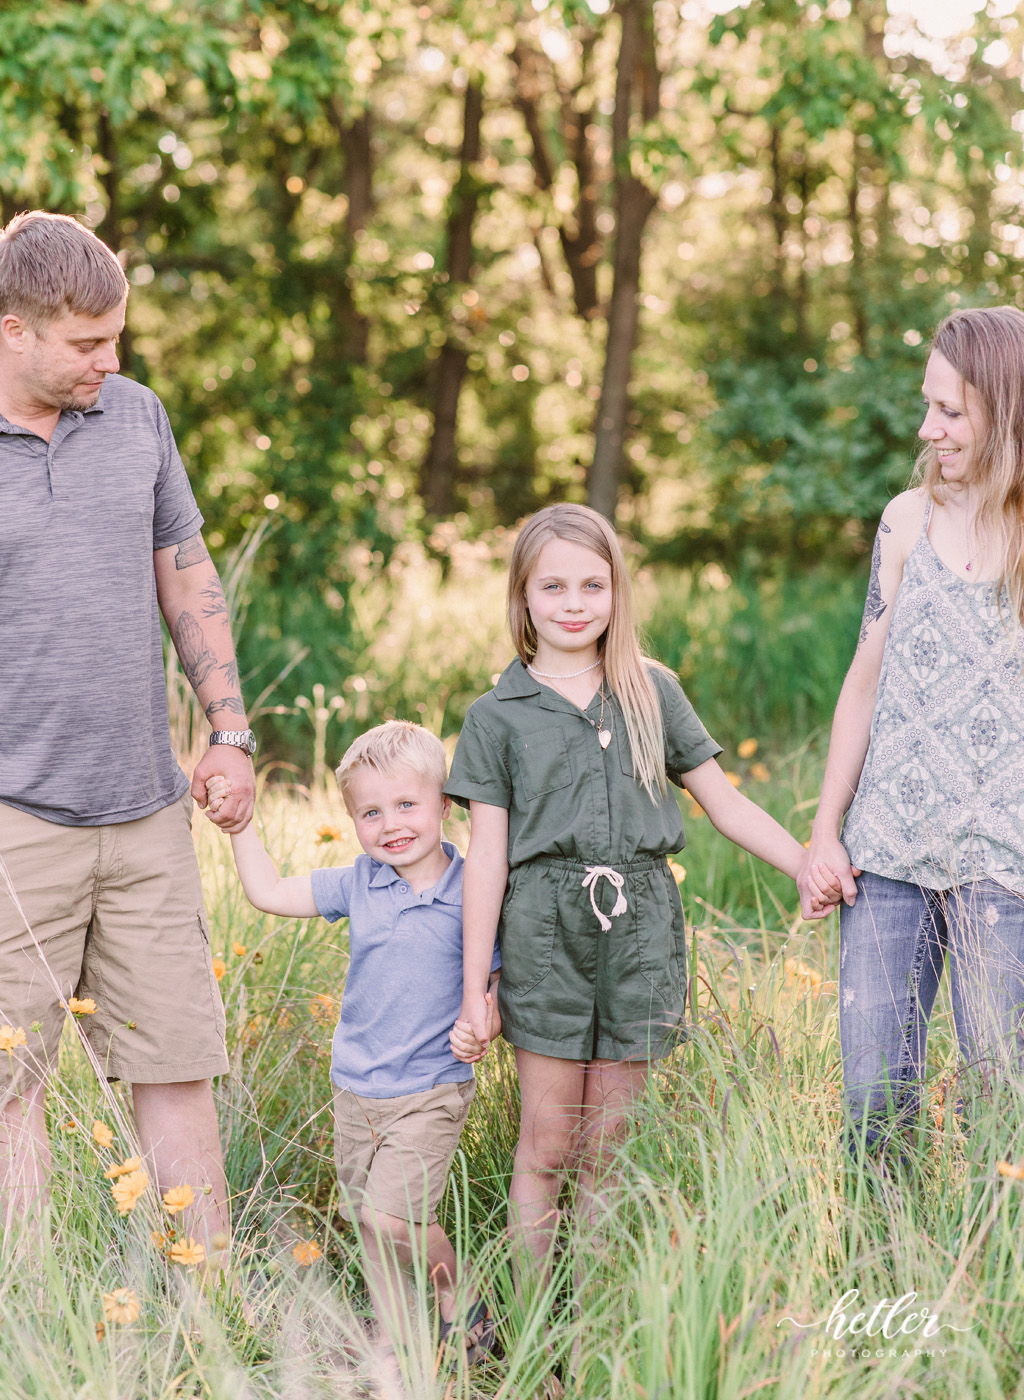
point(563, 766)
point(927, 738)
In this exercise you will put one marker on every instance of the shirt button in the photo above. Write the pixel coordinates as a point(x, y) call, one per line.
point(404, 889)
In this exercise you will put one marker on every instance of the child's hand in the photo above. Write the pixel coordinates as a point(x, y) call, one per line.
point(475, 1015)
point(464, 1043)
point(822, 892)
point(217, 789)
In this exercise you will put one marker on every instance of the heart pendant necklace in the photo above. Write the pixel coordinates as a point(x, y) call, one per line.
point(604, 736)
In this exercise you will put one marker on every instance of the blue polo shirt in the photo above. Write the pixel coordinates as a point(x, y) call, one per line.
point(403, 991)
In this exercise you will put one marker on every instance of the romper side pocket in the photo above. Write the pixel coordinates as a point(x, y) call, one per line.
point(527, 930)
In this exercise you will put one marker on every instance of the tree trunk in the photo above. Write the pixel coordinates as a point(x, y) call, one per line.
point(356, 137)
point(636, 87)
point(581, 243)
point(437, 475)
point(110, 229)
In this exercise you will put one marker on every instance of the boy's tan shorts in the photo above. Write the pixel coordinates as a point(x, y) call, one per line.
point(117, 912)
point(395, 1154)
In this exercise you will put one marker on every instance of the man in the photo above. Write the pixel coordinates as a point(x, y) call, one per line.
point(99, 527)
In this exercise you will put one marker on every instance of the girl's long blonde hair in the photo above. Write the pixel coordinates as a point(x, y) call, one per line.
point(985, 345)
point(626, 669)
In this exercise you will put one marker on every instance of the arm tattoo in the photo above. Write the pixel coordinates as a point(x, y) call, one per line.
point(191, 551)
point(215, 605)
point(196, 660)
point(231, 703)
point(874, 605)
point(230, 669)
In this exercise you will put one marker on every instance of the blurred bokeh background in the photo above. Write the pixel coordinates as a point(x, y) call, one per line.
point(403, 273)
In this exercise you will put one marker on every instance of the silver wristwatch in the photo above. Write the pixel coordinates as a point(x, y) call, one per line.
point(243, 739)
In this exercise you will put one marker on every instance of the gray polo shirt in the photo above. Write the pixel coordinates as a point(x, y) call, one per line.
point(403, 991)
point(84, 736)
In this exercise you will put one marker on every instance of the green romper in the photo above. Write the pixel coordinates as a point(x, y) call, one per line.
point(593, 944)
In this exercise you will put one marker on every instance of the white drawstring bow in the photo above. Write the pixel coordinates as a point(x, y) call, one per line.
point(595, 873)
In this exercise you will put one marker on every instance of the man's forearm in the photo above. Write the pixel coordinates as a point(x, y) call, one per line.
point(194, 607)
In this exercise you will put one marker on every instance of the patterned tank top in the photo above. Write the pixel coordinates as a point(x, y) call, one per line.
point(941, 799)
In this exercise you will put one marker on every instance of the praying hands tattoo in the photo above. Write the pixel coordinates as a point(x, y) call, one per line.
point(874, 605)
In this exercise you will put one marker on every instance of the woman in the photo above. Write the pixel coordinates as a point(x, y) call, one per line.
point(926, 748)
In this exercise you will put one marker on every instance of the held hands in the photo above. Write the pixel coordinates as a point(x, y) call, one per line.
point(465, 1038)
point(235, 767)
point(826, 877)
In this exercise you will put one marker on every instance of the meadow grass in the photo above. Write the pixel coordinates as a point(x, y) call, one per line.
point(731, 1214)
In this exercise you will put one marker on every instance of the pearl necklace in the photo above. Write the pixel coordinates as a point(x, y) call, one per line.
point(551, 676)
point(604, 736)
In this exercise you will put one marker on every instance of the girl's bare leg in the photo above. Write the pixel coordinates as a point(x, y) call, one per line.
point(611, 1090)
point(552, 1104)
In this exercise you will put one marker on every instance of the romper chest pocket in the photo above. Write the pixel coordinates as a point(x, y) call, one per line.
point(542, 760)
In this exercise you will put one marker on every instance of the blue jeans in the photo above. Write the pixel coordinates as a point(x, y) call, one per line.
point(893, 944)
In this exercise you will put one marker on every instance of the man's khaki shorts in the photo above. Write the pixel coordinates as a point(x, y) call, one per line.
point(116, 915)
point(395, 1154)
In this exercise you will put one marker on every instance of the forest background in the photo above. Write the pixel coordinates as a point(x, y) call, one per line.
point(402, 274)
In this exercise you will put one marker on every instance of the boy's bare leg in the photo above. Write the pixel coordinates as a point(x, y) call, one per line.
point(552, 1099)
point(388, 1245)
point(24, 1157)
point(180, 1138)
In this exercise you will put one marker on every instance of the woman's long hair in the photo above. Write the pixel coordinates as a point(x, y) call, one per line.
point(626, 669)
point(985, 345)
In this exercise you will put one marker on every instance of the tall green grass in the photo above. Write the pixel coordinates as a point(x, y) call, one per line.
point(731, 1207)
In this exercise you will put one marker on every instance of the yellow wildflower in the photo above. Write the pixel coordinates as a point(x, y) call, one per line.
point(102, 1135)
point(85, 1007)
point(678, 871)
point(159, 1240)
point(187, 1252)
point(219, 968)
point(122, 1306)
point(327, 833)
point(252, 1032)
point(306, 1252)
point(239, 950)
point(1015, 1170)
point(178, 1198)
point(9, 1037)
point(799, 973)
point(126, 1191)
point(130, 1164)
point(735, 779)
point(694, 809)
point(101, 1331)
point(321, 1007)
point(759, 772)
point(747, 748)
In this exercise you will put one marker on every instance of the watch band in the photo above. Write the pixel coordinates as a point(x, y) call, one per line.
point(243, 739)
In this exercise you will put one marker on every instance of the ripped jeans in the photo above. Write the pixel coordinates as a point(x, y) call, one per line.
point(893, 944)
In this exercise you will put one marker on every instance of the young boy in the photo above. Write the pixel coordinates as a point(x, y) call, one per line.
point(401, 1096)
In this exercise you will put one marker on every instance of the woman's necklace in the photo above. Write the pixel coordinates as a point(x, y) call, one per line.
point(967, 535)
point(550, 675)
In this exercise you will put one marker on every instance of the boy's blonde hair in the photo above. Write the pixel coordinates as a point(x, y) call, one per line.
point(626, 668)
point(395, 744)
